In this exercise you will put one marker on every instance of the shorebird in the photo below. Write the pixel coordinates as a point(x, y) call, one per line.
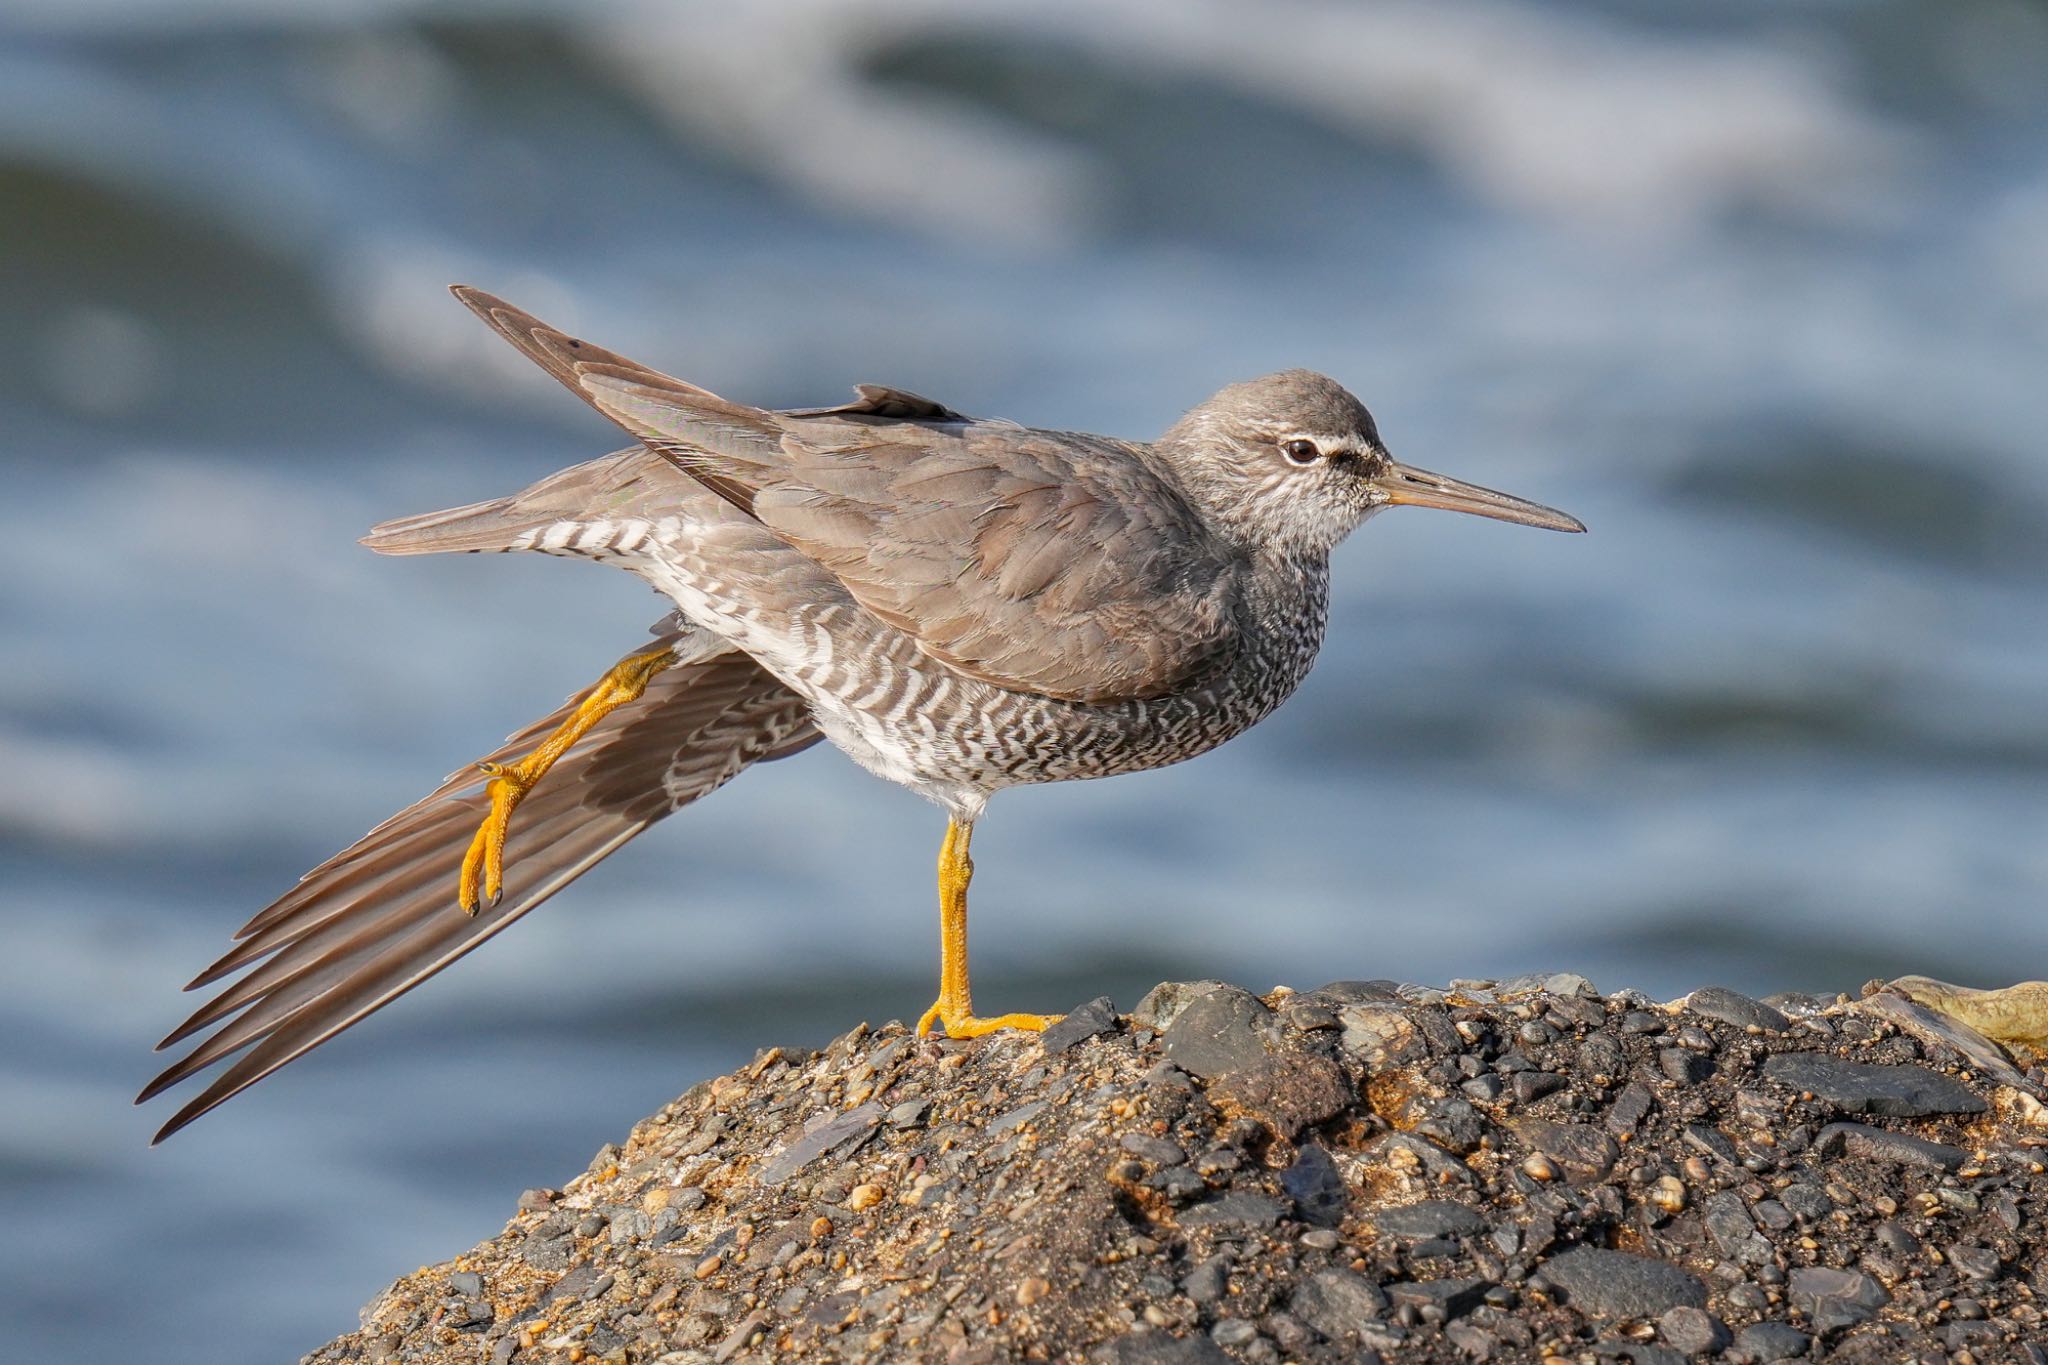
point(962, 605)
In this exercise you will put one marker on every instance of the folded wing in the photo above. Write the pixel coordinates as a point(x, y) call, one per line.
point(1052, 563)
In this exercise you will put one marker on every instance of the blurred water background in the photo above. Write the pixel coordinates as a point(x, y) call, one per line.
point(1759, 291)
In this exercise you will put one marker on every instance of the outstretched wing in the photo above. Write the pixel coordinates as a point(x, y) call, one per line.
point(380, 917)
point(1053, 563)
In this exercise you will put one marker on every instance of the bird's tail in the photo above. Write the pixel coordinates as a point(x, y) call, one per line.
point(550, 516)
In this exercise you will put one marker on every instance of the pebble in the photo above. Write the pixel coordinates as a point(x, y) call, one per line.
point(1316, 1186)
point(1761, 1342)
point(1158, 1348)
point(1583, 1152)
point(1429, 1218)
point(1896, 1091)
point(1833, 1299)
point(1620, 1284)
point(1341, 1304)
point(1881, 1144)
point(1731, 1007)
point(1438, 1300)
point(1682, 1067)
point(1208, 1281)
point(1237, 1209)
point(1693, 1331)
point(1091, 1020)
point(1157, 1150)
point(1218, 1032)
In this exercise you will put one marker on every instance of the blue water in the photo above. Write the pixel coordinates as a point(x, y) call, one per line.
point(1763, 297)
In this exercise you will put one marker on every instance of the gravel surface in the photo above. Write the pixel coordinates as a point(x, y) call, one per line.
point(1364, 1172)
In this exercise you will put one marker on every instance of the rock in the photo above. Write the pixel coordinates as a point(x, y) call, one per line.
point(884, 1199)
point(1629, 1109)
point(1693, 1331)
point(1316, 1187)
point(1439, 1300)
point(1879, 1144)
point(1238, 1209)
point(1340, 1304)
point(1381, 1035)
point(1682, 1067)
point(1927, 1021)
point(1585, 1153)
point(1157, 1150)
point(816, 1141)
point(1164, 1002)
point(1728, 1222)
point(1833, 1299)
point(1430, 1218)
point(1905, 1092)
point(1218, 1032)
point(1620, 1284)
point(1729, 1007)
point(1287, 1093)
point(1761, 1342)
point(1157, 1348)
point(1091, 1020)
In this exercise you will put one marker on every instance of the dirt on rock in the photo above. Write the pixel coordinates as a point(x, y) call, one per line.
point(1364, 1172)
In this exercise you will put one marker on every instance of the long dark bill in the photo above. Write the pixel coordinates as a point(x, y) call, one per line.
point(1408, 487)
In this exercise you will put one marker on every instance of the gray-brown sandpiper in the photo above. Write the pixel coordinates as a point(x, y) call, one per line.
point(962, 605)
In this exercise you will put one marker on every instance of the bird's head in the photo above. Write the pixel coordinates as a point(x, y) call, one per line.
point(1292, 462)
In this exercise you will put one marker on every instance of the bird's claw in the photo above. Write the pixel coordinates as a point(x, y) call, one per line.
point(483, 865)
point(965, 1023)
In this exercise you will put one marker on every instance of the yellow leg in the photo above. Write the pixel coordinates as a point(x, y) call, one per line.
point(955, 1006)
point(483, 866)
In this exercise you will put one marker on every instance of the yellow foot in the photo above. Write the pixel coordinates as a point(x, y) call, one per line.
point(483, 866)
point(967, 1024)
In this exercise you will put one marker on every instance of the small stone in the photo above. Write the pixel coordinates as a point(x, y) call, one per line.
point(1540, 1167)
point(1157, 1348)
point(1218, 1032)
point(1728, 1220)
point(1762, 1342)
point(1620, 1284)
point(1032, 1289)
point(853, 1126)
point(1321, 1239)
point(1164, 1002)
point(910, 1114)
point(1897, 1091)
point(1439, 1300)
point(1430, 1218)
point(1531, 1086)
point(1879, 1144)
point(1978, 1263)
point(467, 1283)
point(1091, 1020)
point(863, 1197)
point(1682, 1067)
point(1693, 1331)
point(1833, 1299)
point(1667, 1192)
point(1237, 1209)
point(1157, 1150)
point(590, 1224)
point(1316, 1186)
point(1288, 1092)
point(1209, 1281)
point(1234, 1332)
point(1731, 1007)
point(538, 1201)
point(1341, 1304)
point(1583, 1152)
point(1629, 1109)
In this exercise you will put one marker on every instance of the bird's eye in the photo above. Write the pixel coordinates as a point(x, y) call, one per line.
point(1300, 452)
